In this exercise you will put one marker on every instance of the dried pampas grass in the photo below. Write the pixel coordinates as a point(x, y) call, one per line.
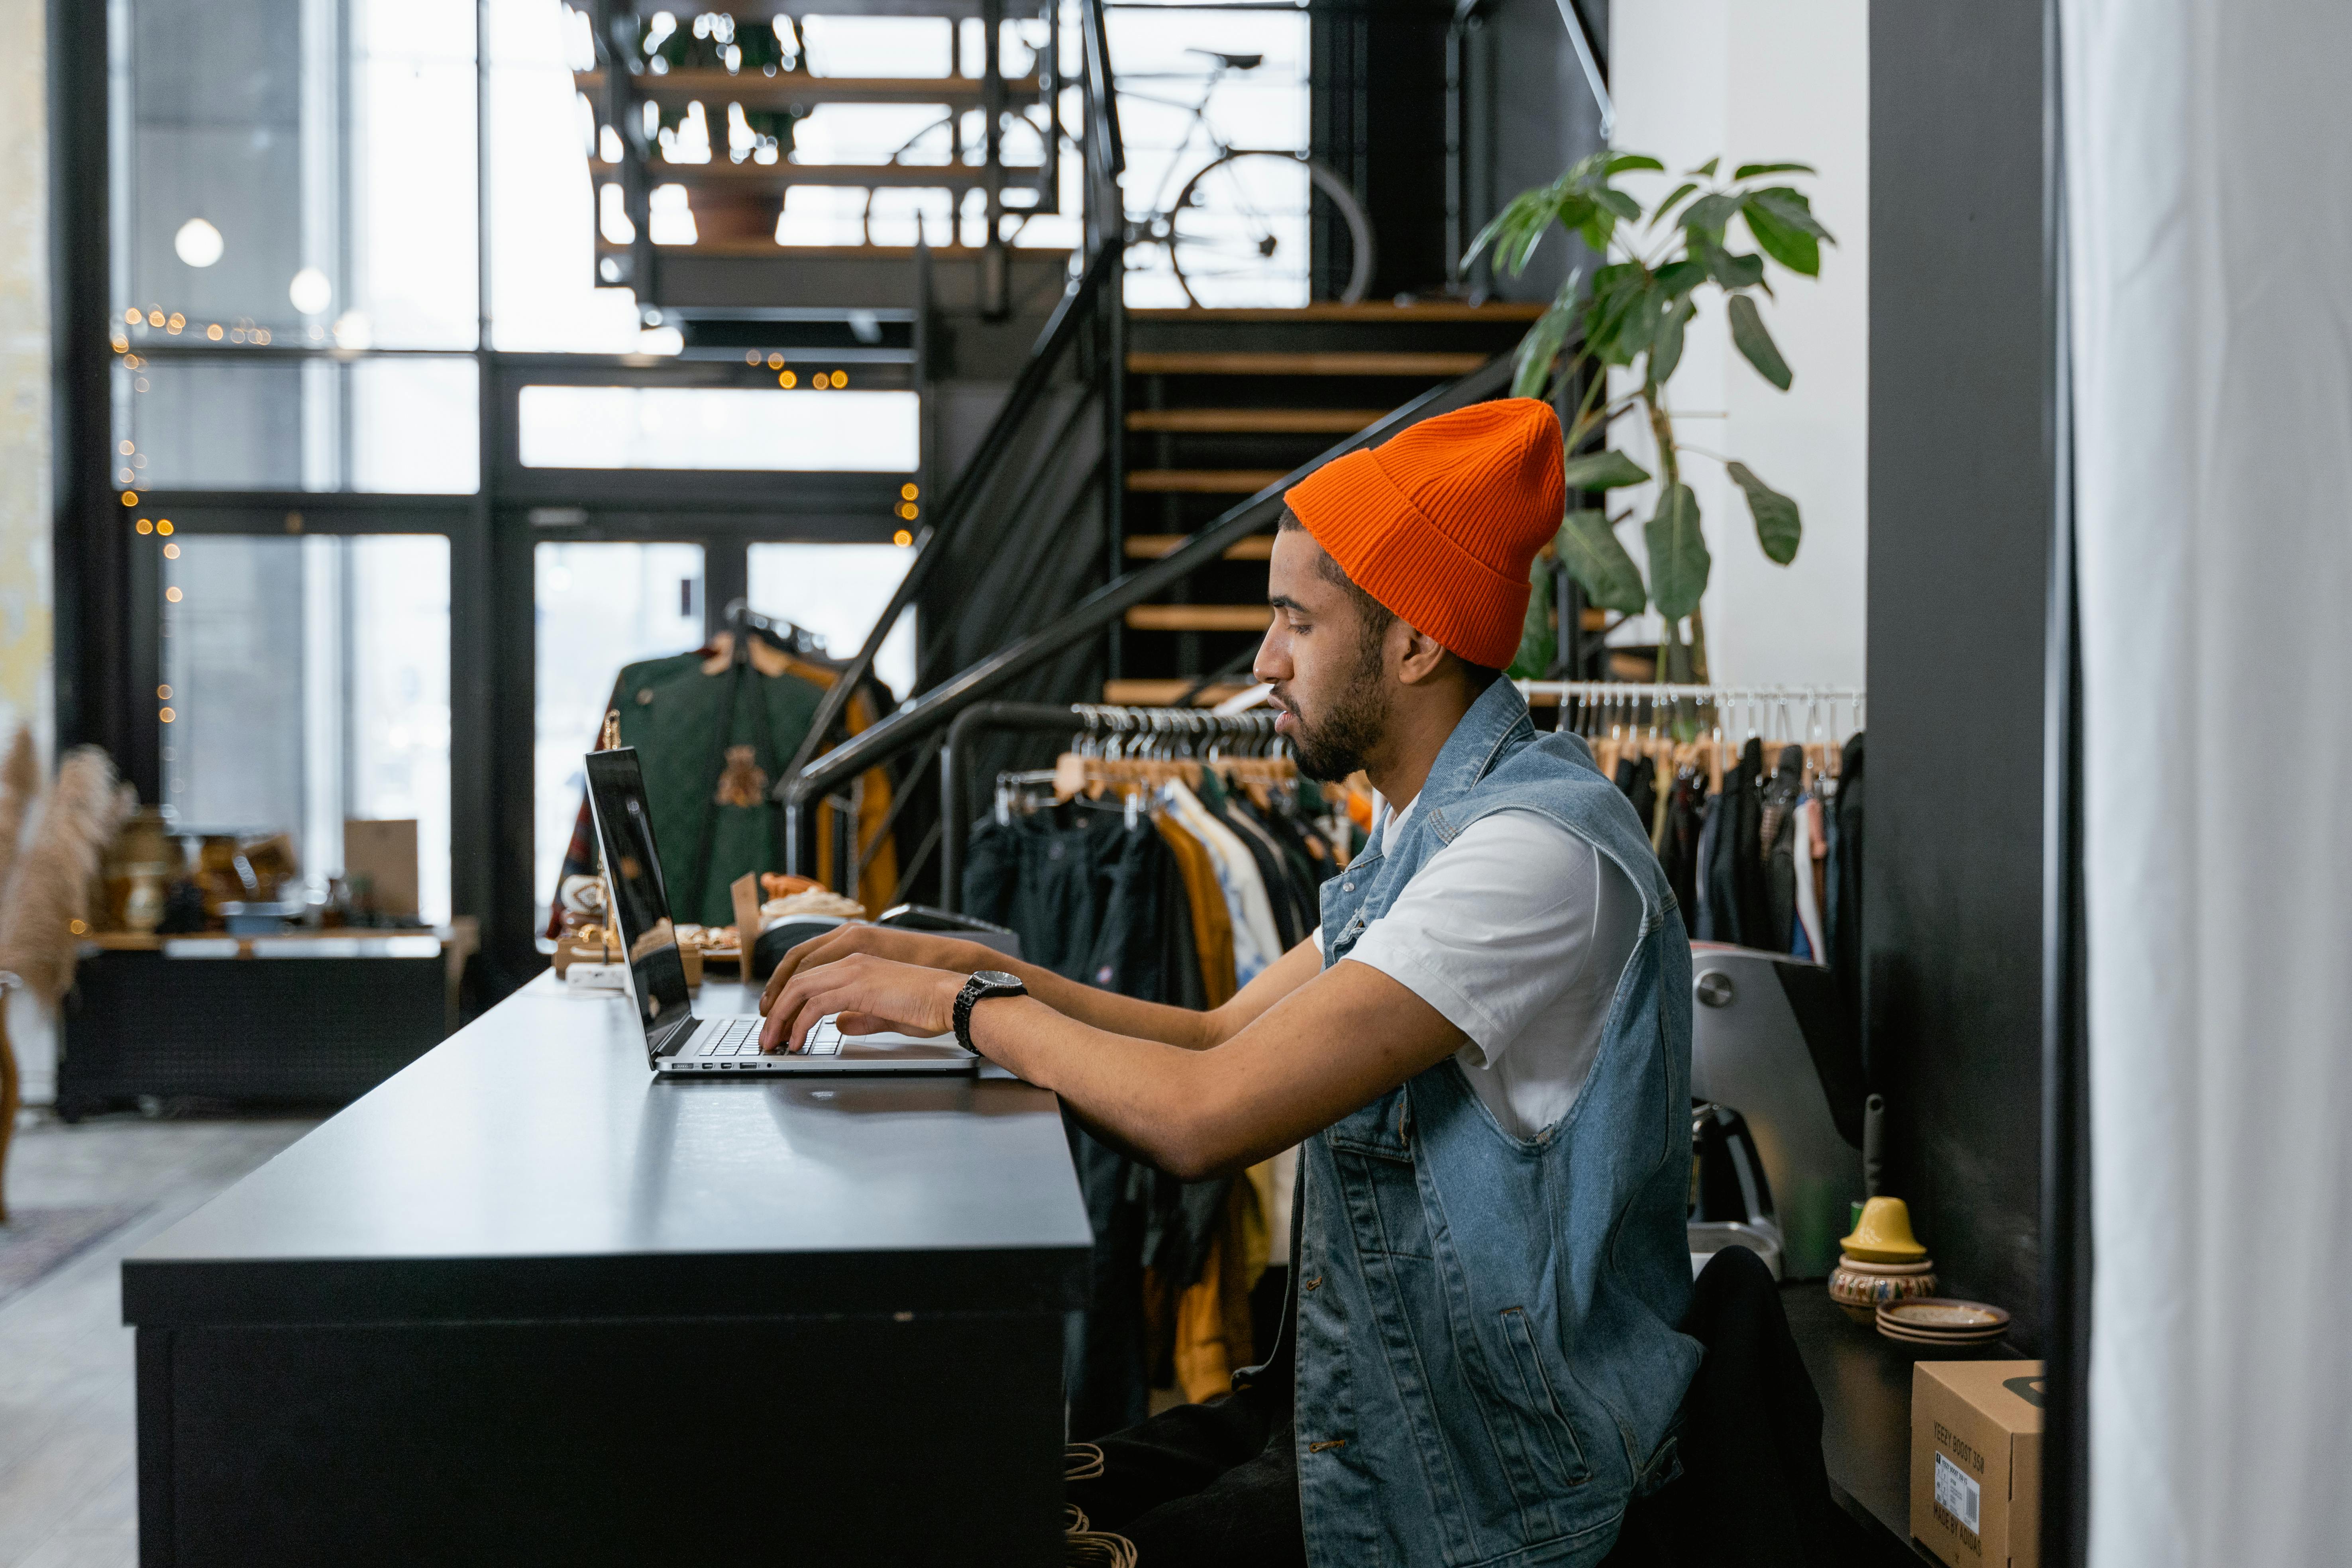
point(52, 884)
point(20, 782)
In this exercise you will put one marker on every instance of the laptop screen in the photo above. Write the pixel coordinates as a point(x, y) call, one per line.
point(640, 912)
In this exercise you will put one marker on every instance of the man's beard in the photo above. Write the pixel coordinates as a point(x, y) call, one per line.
point(1334, 746)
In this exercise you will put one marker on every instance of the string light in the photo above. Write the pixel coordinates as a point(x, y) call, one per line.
point(145, 526)
point(787, 381)
point(163, 694)
point(751, 356)
point(130, 498)
point(171, 553)
point(775, 362)
point(126, 448)
point(164, 527)
point(907, 492)
point(902, 539)
point(214, 332)
point(166, 715)
point(172, 594)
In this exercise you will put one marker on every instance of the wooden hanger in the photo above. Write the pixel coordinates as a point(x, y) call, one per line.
point(766, 657)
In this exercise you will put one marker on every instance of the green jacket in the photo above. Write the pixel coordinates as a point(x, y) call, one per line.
point(682, 723)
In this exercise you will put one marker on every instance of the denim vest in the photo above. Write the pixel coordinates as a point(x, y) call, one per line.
point(1488, 1368)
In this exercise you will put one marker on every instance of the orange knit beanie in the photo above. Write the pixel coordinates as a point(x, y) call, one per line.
point(1441, 522)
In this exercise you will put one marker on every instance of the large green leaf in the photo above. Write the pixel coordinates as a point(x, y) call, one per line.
point(1622, 313)
point(1625, 163)
point(1710, 213)
point(1618, 202)
point(1538, 638)
point(1589, 549)
point(1678, 277)
point(1790, 207)
point(1744, 270)
point(1541, 347)
point(1603, 470)
point(1685, 188)
point(1508, 229)
point(1751, 171)
point(1667, 347)
point(1792, 247)
point(1678, 558)
point(1778, 526)
point(1748, 335)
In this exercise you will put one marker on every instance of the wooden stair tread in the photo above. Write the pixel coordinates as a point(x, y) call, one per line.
point(1161, 693)
point(1331, 311)
point(1202, 481)
point(1256, 421)
point(1199, 617)
point(1331, 362)
point(1152, 546)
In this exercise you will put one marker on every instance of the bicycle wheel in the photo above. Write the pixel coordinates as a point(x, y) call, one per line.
point(1238, 213)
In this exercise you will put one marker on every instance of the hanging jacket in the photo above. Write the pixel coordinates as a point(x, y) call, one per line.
point(1486, 1369)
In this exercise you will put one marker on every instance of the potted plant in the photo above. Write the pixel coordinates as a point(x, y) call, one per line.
point(1656, 277)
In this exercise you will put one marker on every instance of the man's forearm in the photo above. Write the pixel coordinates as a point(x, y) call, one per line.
point(1117, 1014)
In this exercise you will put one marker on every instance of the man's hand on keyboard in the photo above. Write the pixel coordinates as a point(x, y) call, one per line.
point(927, 949)
point(870, 994)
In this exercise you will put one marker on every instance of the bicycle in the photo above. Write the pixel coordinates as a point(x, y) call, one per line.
point(1221, 223)
point(1230, 226)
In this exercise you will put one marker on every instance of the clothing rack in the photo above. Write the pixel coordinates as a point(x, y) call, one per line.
point(1778, 708)
point(1088, 723)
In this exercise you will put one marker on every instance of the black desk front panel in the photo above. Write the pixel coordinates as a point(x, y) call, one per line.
point(778, 1441)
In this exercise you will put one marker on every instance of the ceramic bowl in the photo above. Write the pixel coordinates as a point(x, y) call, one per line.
point(1859, 1288)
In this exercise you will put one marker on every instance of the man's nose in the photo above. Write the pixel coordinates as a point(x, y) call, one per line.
point(1272, 662)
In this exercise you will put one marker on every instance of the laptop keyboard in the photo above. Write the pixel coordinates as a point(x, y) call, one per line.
point(741, 1038)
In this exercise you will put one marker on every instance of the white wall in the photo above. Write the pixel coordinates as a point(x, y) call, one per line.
point(1787, 82)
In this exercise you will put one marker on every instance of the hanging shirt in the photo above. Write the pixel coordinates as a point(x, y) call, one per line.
point(1516, 934)
point(1255, 945)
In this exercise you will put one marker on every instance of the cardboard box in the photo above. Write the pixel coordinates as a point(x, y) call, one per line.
point(1976, 1461)
point(380, 863)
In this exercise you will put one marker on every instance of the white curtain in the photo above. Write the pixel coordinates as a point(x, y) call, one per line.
point(2209, 157)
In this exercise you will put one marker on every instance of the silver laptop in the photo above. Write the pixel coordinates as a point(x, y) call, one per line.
point(677, 1042)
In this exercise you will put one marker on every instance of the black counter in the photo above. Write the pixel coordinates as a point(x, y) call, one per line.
point(523, 1302)
point(1865, 1382)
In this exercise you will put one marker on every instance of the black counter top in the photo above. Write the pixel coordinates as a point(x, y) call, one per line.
point(529, 1166)
point(1864, 1382)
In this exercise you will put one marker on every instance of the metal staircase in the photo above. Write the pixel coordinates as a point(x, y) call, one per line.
point(1221, 405)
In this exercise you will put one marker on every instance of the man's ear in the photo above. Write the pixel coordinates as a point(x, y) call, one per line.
point(1422, 658)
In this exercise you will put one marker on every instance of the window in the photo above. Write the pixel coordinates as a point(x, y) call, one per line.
point(839, 591)
point(720, 427)
point(599, 607)
point(306, 680)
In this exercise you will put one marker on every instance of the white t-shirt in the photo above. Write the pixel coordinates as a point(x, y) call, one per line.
point(1517, 933)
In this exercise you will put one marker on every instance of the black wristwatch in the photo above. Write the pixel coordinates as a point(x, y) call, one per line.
point(984, 985)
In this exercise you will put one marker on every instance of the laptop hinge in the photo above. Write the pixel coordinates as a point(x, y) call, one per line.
point(679, 1033)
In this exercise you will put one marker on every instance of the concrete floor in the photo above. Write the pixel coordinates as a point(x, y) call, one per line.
point(68, 1496)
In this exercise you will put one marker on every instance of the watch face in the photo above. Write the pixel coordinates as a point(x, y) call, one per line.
point(996, 977)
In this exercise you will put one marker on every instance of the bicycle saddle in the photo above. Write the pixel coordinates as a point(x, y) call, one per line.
point(1231, 62)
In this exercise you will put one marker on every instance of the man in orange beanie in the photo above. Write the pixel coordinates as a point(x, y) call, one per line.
point(1483, 1054)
